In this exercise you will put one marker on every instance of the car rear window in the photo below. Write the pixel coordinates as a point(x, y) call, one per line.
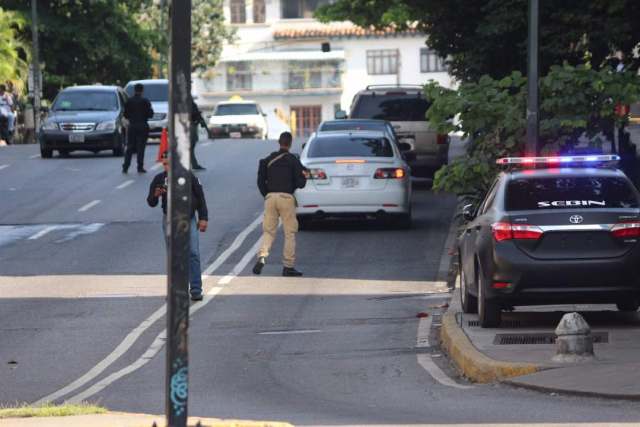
point(399, 107)
point(349, 125)
point(80, 100)
point(154, 92)
point(236, 110)
point(570, 192)
point(350, 146)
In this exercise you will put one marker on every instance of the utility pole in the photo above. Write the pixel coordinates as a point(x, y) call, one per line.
point(163, 28)
point(179, 213)
point(533, 107)
point(35, 69)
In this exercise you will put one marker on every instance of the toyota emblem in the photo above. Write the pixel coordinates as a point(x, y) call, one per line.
point(576, 219)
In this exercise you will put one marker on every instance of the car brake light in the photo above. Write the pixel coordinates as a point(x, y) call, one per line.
point(507, 231)
point(501, 285)
point(626, 230)
point(442, 139)
point(317, 174)
point(390, 173)
point(343, 161)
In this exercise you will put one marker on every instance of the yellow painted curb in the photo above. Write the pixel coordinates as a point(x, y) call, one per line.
point(470, 361)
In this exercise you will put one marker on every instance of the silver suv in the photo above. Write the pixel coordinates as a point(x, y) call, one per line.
point(405, 107)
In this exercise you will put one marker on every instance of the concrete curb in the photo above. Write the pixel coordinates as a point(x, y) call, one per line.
point(470, 361)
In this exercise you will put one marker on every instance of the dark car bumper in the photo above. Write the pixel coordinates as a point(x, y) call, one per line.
point(92, 141)
point(427, 164)
point(537, 281)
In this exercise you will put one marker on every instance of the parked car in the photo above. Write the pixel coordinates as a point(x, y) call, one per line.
point(354, 174)
point(567, 233)
point(85, 118)
point(157, 92)
point(238, 119)
point(405, 107)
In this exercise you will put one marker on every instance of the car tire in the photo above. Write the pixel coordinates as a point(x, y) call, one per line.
point(468, 302)
point(628, 305)
point(46, 153)
point(489, 311)
point(118, 151)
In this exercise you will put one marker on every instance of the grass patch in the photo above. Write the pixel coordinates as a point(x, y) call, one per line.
point(50, 410)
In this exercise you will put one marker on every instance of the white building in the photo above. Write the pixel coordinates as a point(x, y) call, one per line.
point(278, 61)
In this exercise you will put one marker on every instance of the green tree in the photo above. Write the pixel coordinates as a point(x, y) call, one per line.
point(13, 51)
point(490, 36)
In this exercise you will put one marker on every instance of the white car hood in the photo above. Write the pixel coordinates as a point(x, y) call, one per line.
point(160, 107)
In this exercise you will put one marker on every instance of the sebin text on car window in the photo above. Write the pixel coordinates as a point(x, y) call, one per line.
point(570, 192)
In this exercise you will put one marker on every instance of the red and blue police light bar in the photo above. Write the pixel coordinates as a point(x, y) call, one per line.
point(558, 160)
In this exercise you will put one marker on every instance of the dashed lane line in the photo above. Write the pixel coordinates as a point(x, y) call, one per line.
point(4, 167)
point(125, 184)
point(35, 156)
point(43, 232)
point(135, 334)
point(89, 205)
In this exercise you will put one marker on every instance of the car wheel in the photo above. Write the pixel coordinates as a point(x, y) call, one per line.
point(628, 305)
point(46, 153)
point(489, 311)
point(469, 302)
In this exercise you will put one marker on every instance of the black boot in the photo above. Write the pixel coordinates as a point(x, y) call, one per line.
point(291, 272)
point(257, 269)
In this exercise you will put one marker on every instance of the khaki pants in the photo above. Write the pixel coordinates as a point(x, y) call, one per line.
point(280, 206)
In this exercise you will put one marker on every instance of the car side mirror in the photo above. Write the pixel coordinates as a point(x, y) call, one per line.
point(341, 115)
point(304, 144)
point(468, 212)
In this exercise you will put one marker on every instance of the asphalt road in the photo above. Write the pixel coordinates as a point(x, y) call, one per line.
point(82, 292)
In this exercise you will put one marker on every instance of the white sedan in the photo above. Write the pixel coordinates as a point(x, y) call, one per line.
point(354, 174)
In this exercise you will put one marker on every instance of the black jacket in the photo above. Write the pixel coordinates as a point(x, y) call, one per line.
point(198, 203)
point(138, 110)
point(284, 175)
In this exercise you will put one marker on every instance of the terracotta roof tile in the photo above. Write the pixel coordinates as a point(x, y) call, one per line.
point(329, 30)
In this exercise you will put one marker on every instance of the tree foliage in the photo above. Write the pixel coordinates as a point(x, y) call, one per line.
point(575, 102)
point(13, 51)
point(490, 36)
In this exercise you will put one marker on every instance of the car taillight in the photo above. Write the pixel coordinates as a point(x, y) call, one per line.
point(442, 139)
point(626, 230)
point(317, 174)
point(507, 231)
point(390, 173)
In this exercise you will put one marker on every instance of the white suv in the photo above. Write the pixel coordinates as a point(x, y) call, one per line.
point(238, 119)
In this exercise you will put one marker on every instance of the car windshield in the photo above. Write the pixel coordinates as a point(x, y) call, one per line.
point(570, 192)
point(86, 101)
point(236, 110)
point(154, 92)
point(350, 146)
point(399, 107)
point(341, 125)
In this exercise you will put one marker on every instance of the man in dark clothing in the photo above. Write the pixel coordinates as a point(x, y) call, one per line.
point(196, 119)
point(158, 191)
point(279, 175)
point(137, 110)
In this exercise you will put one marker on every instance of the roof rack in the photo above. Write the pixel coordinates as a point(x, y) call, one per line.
point(554, 161)
point(392, 86)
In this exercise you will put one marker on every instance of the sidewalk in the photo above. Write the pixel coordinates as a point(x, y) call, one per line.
point(119, 419)
point(519, 352)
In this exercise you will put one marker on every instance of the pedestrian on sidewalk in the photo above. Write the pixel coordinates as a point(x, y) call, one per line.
point(196, 119)
point(279, 175)
point(158, 191)
point(137, 110)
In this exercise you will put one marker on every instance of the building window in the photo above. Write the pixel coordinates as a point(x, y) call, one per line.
point(305, 75)
point(383, 61)
point(238, 76)
point(430, 62)
point(297, 9)
point(259, 12)
point(238, 11)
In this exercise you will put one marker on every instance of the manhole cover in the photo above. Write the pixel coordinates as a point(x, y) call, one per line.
point(541, 338)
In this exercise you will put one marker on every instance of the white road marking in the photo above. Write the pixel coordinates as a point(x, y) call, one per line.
point(4, 167)
point(35, 156)
point(89, 205)
point(159, 342)
point(125, 184)
point(292, 332)
point(133, 336)
point(246, 259)
point(43, 232)
point(424, 360)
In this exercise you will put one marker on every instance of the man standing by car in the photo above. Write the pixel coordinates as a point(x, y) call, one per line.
point(279, 175)
point(158, 191)
point(137, 111)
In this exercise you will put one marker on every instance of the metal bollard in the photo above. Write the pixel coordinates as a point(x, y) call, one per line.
point(574, 342)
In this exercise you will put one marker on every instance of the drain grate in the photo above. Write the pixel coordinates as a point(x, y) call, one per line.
point(503, 324)
point(541, 338)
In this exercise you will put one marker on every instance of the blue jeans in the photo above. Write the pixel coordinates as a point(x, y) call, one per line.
point(195, 275)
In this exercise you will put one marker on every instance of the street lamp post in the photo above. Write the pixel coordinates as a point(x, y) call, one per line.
point(533, 108)
point(179, 214)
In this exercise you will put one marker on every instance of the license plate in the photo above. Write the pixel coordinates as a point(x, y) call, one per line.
point(235, 135)
point(76, 137)
point(350, 182)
